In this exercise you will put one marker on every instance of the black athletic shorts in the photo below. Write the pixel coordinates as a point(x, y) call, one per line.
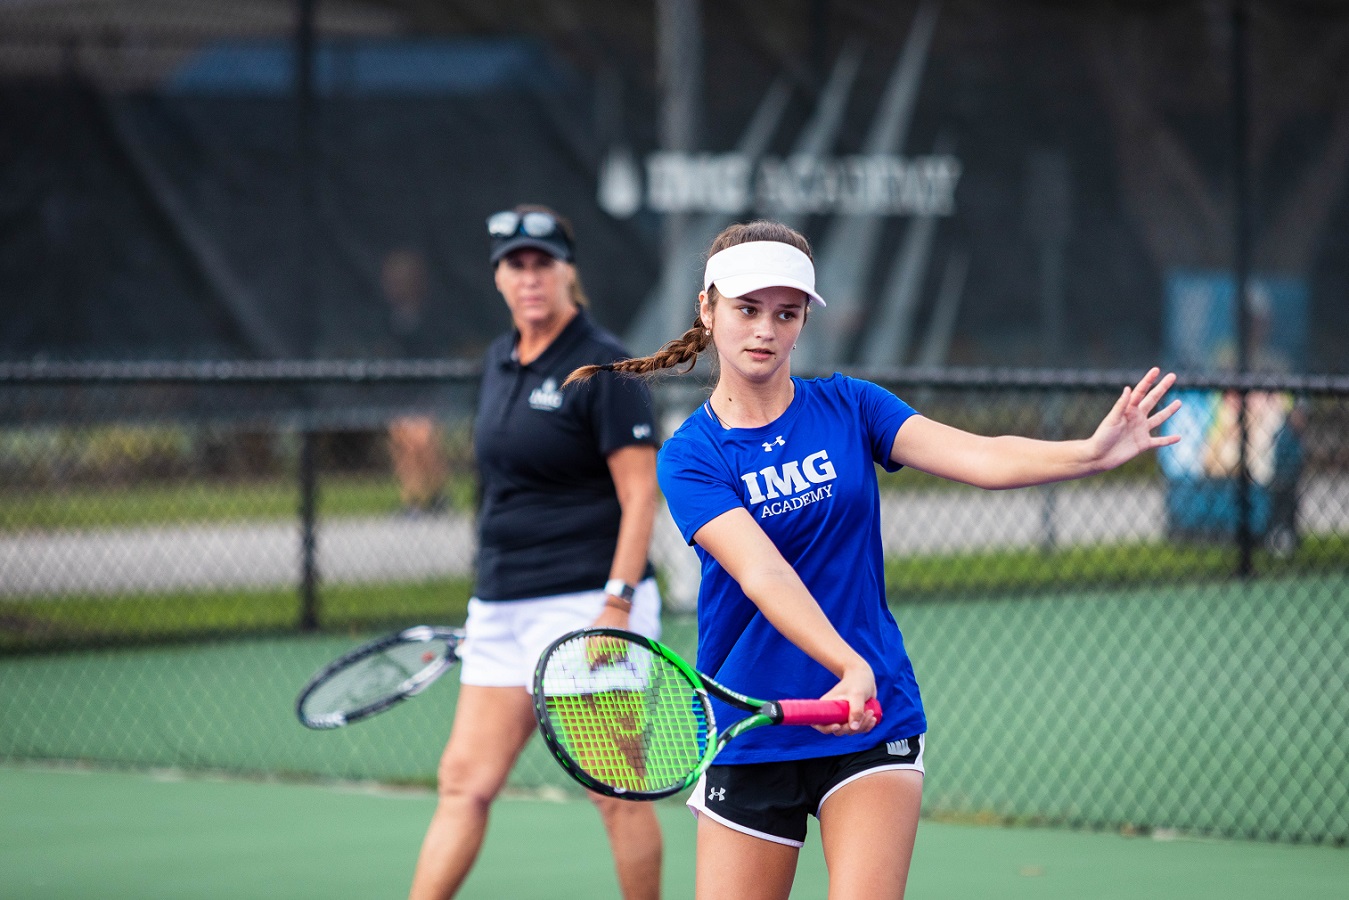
point(772, 800)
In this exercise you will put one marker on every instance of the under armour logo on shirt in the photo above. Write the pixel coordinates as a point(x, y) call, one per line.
point(769, 445)
point(716, 793)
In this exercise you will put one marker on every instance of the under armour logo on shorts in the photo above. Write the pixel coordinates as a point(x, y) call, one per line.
point(716, 793)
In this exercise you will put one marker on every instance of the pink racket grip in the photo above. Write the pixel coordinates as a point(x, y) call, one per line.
point(821, 712)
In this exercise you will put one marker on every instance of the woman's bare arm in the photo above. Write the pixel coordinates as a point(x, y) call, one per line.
point(633, 469)
point(1008, 461)
point(750, 557)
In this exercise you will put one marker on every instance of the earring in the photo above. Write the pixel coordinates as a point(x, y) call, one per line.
point(707, 331)
point(793, 346)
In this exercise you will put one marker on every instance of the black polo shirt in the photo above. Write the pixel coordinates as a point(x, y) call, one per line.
point(548, 518)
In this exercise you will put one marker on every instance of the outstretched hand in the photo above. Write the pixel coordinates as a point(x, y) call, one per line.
point(1127, 430)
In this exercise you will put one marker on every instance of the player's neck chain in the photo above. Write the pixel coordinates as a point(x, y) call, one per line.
point(711, 410)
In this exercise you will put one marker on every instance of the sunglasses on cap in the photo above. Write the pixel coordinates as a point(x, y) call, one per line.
point(509, 223)
point(512, 230)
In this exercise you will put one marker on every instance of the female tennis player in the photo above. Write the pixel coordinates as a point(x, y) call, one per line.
point(773, 480)
point(568, 498)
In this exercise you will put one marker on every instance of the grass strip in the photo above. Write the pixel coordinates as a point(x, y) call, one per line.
point(87, 621)
point(204, 501)
point(1075, 568)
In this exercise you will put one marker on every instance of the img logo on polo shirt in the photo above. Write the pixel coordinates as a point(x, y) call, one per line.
point(546, 396)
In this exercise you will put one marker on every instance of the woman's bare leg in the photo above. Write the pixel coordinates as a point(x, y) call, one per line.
point(868, 828)
point(735, 866)
point(491, 726)
point(635, 838)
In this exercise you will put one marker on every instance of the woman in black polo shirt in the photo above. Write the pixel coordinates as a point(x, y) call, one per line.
point(568, 488)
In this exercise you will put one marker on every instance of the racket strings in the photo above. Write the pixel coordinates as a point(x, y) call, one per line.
point(373, 678)
point(626, 716)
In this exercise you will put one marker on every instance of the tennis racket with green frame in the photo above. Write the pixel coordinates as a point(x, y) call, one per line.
point(625, 716)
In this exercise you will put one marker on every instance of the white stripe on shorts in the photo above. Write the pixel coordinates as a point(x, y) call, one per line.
point(915, 766)
point(697, 804)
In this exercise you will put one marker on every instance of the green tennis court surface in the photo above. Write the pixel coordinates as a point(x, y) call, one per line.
point(74, 833)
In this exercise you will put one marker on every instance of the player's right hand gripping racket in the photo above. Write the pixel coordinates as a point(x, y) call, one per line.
point(377, 675)
point(626, 717)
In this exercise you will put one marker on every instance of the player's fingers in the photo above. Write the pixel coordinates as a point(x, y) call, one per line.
point(1121, 403)
point(1158, 418)
point(1146, 381)
point(860, 719)
point(1142, 394)
point(602, 651)
point(1158, 391)
point(855, 723)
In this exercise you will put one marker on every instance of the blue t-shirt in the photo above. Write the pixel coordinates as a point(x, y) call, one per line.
point(809, 480)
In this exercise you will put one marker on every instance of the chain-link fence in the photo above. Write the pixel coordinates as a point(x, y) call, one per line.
point(1163, 647)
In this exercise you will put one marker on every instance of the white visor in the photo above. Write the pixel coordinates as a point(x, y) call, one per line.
point(745, 268)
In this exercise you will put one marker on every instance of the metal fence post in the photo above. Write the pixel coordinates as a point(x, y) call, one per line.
point(309, 618)
point(1241, 263)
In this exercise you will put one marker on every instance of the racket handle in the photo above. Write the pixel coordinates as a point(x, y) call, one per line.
point(820, 712)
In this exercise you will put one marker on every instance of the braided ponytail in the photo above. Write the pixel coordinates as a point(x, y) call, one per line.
point(685, 349)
